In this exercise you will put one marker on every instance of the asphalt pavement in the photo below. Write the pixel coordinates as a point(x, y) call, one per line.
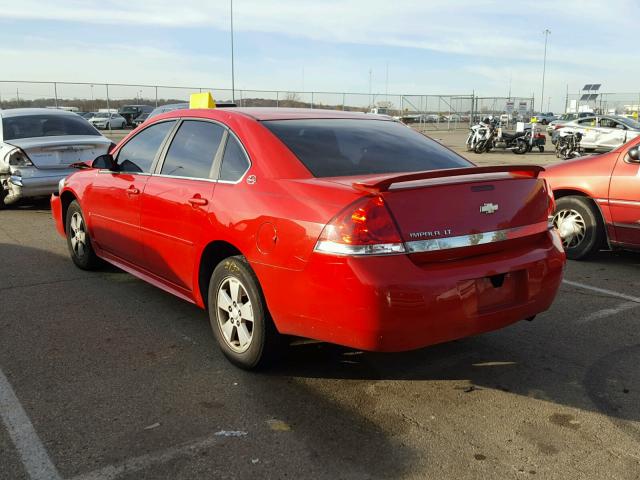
point(103, 376)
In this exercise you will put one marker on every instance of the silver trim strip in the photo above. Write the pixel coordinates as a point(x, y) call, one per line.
point(474, 239)
point(623, 202)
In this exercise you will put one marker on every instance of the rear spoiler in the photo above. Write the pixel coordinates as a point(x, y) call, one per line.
point(382, 184)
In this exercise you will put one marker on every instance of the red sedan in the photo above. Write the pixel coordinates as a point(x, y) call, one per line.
point(341, 227)
point(598, 201)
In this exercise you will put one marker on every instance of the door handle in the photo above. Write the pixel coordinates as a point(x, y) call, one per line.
point(133, 190)
point(198, 201)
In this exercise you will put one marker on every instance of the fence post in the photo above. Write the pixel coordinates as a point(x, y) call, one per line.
point(277, 99)
point(156, 87)
point(343, 100)
point(108, 106)
point(311, 99)
point(55, 92)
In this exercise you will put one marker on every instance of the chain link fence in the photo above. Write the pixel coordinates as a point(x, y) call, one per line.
point(426, 112)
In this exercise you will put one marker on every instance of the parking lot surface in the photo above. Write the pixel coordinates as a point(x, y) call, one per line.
point(103, 376)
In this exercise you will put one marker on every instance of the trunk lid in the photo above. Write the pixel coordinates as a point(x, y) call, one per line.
point(464, 212)
point(61, 151)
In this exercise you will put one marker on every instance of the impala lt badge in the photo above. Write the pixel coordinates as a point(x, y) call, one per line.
point(489, 208)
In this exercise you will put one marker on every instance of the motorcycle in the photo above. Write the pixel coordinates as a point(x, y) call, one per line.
point(568, 145)
point(519, 142)
point(477, 133)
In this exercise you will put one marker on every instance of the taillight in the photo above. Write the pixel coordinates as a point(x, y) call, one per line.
point(363, 228)
point(19, 159)
point(551, 208)
point(557, 127)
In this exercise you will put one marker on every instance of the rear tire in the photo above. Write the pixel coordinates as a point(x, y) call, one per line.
point(521, 147)
point(239, 316)
point(78, 240)
point(541, 149)
point(580, 226)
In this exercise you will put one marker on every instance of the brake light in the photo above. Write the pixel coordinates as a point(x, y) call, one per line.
point(19, 159)
point(363, 228)
point(557, 127)
point(551, 208)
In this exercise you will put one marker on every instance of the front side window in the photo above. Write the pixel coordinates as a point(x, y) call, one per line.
point(345, 147)
point(192, 150)
point(32, 126)
point(587, 122)
point(234, 161)
point(137, 154)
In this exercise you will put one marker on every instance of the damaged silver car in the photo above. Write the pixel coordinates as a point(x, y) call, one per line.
point(38, 147)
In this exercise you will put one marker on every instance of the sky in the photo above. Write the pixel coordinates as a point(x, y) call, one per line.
point(443, 47)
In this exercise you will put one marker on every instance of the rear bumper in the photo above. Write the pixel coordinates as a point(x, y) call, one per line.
point(389, 303)
point(56, 214)
point(30, 182)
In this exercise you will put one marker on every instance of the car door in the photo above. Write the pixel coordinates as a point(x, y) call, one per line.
point(114, 197)
point(624, 198)
point(175, 202)
point(588, 128)
point(611, 133)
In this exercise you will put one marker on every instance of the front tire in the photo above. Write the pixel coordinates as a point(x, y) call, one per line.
point(239, 316)
point(580, 226)
point(78, 240)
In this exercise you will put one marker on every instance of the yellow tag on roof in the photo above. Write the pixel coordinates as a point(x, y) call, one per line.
point(202, 100)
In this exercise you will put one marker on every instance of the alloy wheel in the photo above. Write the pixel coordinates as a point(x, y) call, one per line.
point(571, 227)
point(235, 314)
point(78, 235)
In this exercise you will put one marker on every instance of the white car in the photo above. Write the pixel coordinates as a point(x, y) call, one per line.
point(105, 120)
point(603, 133)
point(37, 148)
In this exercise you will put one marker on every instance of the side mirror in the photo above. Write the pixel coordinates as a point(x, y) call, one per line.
point(634, 155)
point(104, 162)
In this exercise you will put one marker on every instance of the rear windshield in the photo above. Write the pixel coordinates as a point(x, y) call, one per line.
point(31, 126)
point(344, 147)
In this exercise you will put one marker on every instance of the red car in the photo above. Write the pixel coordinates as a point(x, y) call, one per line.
point(335, 226)
point(598, 201)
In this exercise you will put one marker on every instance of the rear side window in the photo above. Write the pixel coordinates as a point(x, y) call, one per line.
point(343, 147)
point(137, 154)
point(192, 150)
point(32, 126)
point(234, 161)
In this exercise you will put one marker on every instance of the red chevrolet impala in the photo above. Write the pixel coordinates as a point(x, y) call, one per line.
point(341, 227)
point(598, 201)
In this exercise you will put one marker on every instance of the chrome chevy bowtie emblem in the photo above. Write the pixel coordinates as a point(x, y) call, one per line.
point(489, 208)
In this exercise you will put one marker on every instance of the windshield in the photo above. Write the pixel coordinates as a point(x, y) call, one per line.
point(129, 109)
point(344, 147)
point(629, 122)
point(102, 115)
point(31, 126)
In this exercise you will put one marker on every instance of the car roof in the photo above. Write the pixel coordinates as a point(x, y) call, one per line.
point(273, 113)
point(18, 112)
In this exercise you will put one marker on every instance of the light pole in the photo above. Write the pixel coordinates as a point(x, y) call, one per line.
point(233, 73)
point(544, 65)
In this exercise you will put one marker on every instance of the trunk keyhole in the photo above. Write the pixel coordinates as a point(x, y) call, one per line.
point(497, 280)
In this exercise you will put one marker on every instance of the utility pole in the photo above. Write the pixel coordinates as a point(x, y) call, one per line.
point(370, 93)
point(510, 77)
point(544, 65)
point(233, 73)
point(387, 83)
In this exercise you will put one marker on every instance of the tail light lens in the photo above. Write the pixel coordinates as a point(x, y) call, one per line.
point(19, 159)
point(552, 203)
point(364, 228)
